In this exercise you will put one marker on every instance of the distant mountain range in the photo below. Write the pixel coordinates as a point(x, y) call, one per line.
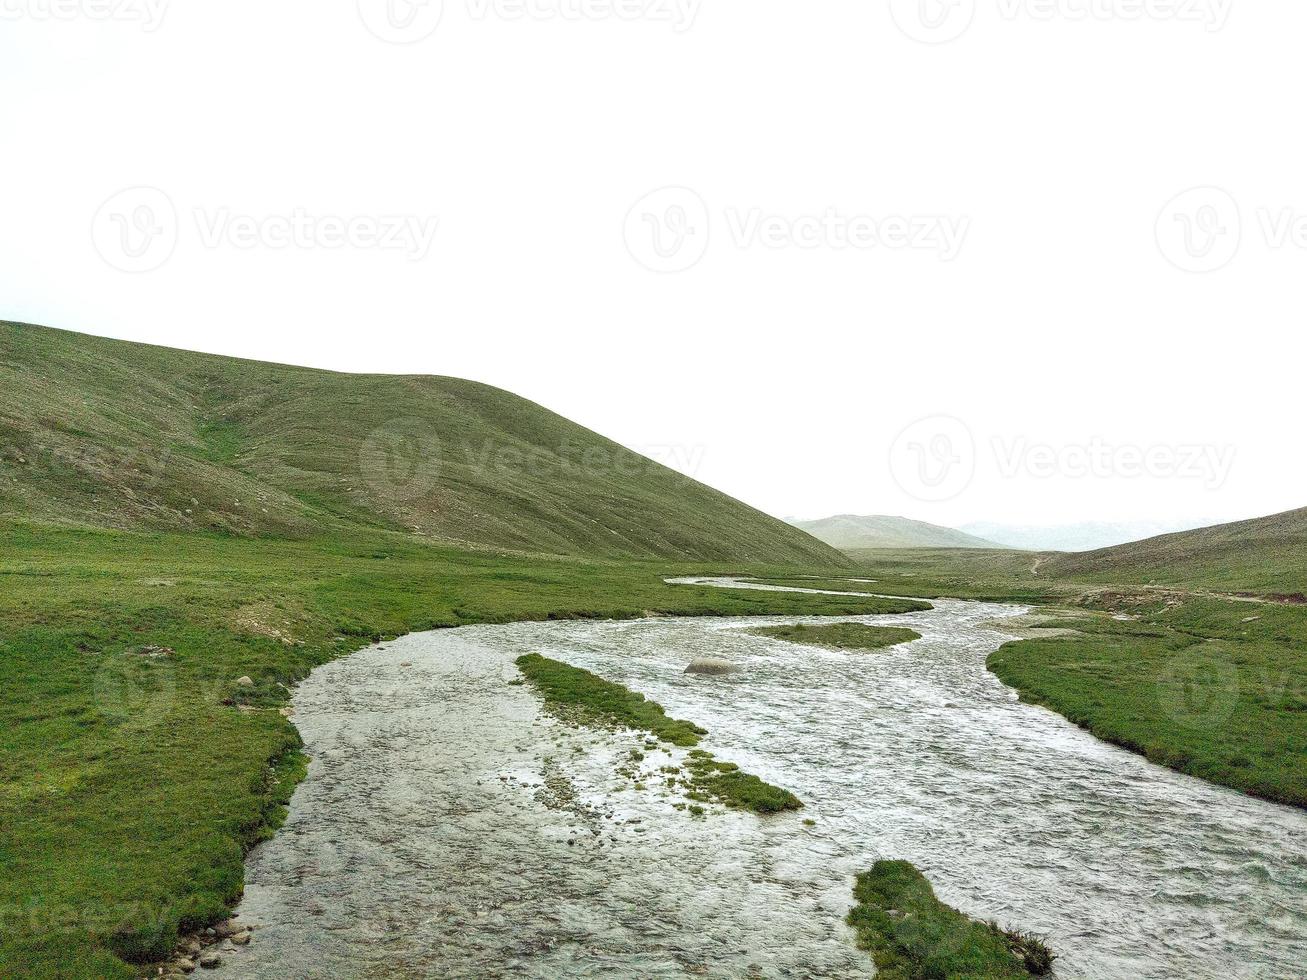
point(1265, 555)
point(1085, 536)
point(847, 531)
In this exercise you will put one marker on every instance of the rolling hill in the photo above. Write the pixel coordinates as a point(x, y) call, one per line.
point(1266, 554)
point(105, 433)
point(848, 531)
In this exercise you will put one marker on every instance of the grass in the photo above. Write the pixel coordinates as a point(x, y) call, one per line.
point(1209, 686)
point(725, 783)
point(105, 433)
point(912, 935)
point(586, 698)
point(1267, 555)
point(1189, 686)
point(133, 780)
point(578, 696)
point(841, 636)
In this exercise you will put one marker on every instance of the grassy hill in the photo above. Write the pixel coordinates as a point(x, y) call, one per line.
point(1264, 555)
point(105, 433)
point(849, 531)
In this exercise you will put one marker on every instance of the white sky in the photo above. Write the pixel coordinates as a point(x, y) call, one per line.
point(785, 375)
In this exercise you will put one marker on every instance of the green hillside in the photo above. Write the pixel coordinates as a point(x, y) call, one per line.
point(1264, 555)
point(849, 531)
point(105, 433)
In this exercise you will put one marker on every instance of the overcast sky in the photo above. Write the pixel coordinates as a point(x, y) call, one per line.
point(1009, 260)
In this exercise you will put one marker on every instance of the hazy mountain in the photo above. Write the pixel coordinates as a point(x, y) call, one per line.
point(1264, 554)
point(850, 531)
point(1085, 536)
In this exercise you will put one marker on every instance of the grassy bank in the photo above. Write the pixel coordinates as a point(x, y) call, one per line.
point(1207, 685)
point(135, 770)
point(1210, 688)
point(841, 636)
point(579, 696)
point(914, 936)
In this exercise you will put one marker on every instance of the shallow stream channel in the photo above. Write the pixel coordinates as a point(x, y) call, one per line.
point(450, 827)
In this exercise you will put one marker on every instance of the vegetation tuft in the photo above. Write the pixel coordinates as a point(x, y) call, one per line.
point(578, 696)
point(725, 783)
point(585, 698)
point(841, 636)
point(912, 935)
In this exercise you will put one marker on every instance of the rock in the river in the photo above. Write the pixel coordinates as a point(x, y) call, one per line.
point(711, 666)
point(210, 961)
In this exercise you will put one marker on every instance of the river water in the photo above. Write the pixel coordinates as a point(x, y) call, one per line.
point(449, 828)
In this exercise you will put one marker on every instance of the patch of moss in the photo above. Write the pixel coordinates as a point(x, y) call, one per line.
point(840, 636)
point(912, 935)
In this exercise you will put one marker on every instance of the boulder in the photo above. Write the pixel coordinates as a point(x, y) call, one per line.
point(711, 666)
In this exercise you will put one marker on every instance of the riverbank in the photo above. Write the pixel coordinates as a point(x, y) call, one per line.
point(144, 740)
point(1010, 812)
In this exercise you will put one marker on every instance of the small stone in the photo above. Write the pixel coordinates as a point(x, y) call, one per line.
point(241, 939)
point(185, 965)
point(711, 666)
point(245, 681)
point(210, 961)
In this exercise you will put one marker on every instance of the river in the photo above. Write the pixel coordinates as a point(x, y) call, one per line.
point(449, 828)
